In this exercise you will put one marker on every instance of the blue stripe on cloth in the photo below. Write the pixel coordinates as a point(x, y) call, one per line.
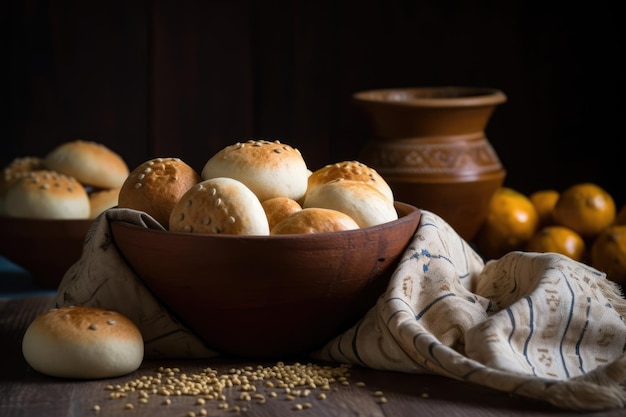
point(419, 315)
point(581, 366)
point(570, 317)
point(512, 319)
point(531, 326)
point(354, 344)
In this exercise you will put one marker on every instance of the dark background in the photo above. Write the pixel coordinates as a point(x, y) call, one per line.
point(186, 78)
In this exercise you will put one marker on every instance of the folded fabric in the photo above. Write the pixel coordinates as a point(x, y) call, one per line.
point(102, 278)
point(537, 325)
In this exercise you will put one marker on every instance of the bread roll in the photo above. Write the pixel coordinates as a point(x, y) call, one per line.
point(102, 200)
point(91, 163)
point(83, 342)
point(219, 205)
point(156, 185)
point(278, 208)
point(16, 169)
point(350, 170)
point(314, 220)
point(47, 195)
point(269, 169)
point(361, 201)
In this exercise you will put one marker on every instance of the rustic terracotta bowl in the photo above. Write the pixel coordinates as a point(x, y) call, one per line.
point(268, 296)
point(45, 248)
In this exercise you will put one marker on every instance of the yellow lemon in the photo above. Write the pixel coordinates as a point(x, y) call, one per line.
point(544, 202)
point(608, 253)
point(558, 239)
point(585, 208)
point(511, 221)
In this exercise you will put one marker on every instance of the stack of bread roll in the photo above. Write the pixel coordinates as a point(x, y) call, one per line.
point(258, 187)
point(76, 180)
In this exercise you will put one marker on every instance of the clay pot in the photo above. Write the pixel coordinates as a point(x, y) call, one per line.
point(429, 144)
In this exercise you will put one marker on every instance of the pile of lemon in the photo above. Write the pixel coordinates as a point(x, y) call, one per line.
point(581, 222)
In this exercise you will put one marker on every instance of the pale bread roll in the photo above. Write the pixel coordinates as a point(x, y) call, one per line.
point(47, 195)
point(278, 208)
point(83, 342)
point(219, 206)
point(314, 220)
point(361, 201)
point(269, 169)
point(156, 185)
point(16, 169)
point(102, 200)
point(91, 163)
point(350, 170)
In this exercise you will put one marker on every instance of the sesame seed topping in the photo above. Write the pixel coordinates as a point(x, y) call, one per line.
point(141, 176)
point(188, 228)
point(231, 220)
point(138, 185)
point(111, 322)
point(93, 326)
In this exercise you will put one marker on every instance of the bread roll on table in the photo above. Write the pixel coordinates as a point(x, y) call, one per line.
point(83, 343)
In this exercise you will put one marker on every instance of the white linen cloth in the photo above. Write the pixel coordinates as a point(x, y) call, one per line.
point(536, 325)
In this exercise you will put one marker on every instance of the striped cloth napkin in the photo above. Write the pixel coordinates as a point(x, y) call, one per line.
point(536, 325)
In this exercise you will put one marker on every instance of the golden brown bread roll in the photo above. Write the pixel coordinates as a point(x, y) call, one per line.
point(219, 206)
point(83, 342)
point(269, 169)
point(47, 195)
point(314, 220)
point(278, 208)
point(350, 170)
point(16, 169)
point(361, 201)
point(156, 185)
point(102, 200)
point(91, 163)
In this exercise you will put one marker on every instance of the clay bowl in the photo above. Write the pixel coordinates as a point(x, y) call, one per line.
point(45, 248)
point(268, 296)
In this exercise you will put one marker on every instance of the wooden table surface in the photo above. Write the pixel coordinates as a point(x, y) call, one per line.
point(25, 392)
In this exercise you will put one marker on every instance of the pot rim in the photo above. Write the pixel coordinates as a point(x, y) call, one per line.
point(434, 96)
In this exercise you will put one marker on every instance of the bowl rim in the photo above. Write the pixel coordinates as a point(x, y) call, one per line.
point(411, 212)
point(433, 96)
